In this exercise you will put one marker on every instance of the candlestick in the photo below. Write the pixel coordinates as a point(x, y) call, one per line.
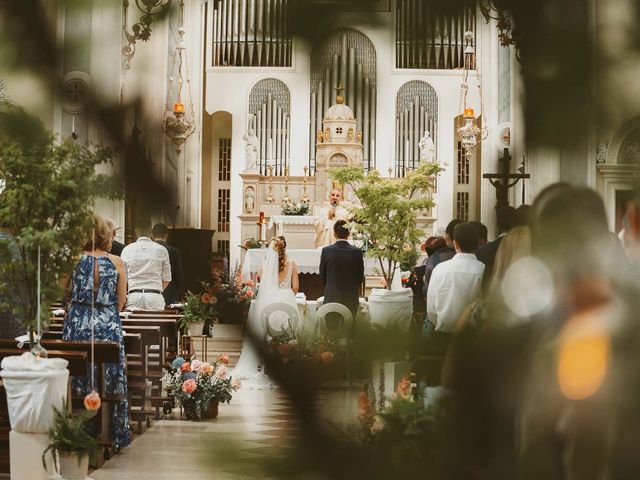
point(285, 197)
point(305, 198)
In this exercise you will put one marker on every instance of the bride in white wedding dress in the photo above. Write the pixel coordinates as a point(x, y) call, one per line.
point(278, 284)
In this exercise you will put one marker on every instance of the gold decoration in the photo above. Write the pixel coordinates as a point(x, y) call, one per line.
point(327, 134)
point(320, 137)
point(350, 134)
point(305, 198)
point(285, 197)
point(359, 136)
point(339, 90)
point(270, 196)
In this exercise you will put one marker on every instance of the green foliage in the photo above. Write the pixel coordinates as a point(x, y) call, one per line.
point(69, 434)
point(47, 201)
point(196, 309)
point(388, 211)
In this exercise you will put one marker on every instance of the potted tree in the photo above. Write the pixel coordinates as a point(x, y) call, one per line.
point(388, 210)
point(47, 194)
point(70, 443)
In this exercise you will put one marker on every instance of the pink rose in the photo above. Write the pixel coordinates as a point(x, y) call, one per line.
point(223, 358)
point(189, 386)
point(327, 357)
point(221, 372)
point(250, 283)
point(206, 298)
point(213, 300)
point(196, 365)
point(249, 293)
point(236, 384)
point(207, 368)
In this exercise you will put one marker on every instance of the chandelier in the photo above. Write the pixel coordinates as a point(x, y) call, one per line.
point(470, 132)
point(179, 123)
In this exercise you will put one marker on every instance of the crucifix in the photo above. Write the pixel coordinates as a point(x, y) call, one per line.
point(504, 180)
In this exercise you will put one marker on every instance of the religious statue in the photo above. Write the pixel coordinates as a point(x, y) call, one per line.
point(327, 219)
point(320, 138)
point(251, 150)
point(350, 134)
point(327, 134)
point(427, 148)
point(249, 200)
point(359, 136)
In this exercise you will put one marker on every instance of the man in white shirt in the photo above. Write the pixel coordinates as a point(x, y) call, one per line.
point(148, 272)
point(455, 284)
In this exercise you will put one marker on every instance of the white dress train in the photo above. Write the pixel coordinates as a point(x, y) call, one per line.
point(250, 366)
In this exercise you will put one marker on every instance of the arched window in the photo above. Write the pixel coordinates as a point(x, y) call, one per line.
point(416, 114)
point(344, 57)
point(269, 117)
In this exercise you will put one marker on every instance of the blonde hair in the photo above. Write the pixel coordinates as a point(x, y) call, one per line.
point(515, 245)
point(99, 236)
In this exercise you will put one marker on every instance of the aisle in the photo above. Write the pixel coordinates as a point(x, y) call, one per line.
point(257, 422)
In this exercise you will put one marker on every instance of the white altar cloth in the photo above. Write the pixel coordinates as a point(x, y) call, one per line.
point(281, 220)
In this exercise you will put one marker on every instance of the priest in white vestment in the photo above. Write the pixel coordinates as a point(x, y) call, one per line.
point(328, 217)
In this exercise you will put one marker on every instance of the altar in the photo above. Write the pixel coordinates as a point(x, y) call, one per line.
point(298, 230)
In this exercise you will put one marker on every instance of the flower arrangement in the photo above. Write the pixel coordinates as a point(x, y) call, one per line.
point(232, 295)
point(195, 385)
point(291, 348)
point(299, 208)
point(250, 243)
point(197, 308)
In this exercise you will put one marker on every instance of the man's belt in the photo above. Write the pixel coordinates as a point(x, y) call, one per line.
point(144, 290)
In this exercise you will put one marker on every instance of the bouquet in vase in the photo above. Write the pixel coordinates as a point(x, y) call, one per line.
point(300, 208)
point(196, 386)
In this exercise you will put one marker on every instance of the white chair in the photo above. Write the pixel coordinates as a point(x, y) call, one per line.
point(344, 327)
point(287, 310)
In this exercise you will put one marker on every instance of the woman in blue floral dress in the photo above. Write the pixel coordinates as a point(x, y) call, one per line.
point(102, 275)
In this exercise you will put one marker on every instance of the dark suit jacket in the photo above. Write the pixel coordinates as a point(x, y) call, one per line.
point(116, 248)
point(171, 294)
point(342, 273)
point(487, 254)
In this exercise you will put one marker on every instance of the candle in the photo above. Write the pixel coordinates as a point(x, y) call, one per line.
point(38, 297)
point(261, 217)
point(178, 107)
point(468, 112)
point(73, 123)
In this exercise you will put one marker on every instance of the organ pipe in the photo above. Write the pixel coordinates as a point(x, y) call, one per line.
point(429, 39)
point(251, 33)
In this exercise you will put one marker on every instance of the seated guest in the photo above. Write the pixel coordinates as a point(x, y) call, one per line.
point(148, 271)
point(456, 283)
point(342, 270)
point(98, 291)
point(160, 234)
point(116, 246)
point(440, 255)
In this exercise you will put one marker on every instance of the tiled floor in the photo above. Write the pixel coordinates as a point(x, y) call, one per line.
point(256, 425)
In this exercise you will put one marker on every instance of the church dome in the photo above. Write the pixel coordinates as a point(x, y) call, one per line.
point(339, 111)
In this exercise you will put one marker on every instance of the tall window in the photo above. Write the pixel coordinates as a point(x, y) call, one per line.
point(429, 39)
point(269, 107)
point(224, 160)
point(251, 33)
point(416, 114)
point(348, 57)
point(223, 210)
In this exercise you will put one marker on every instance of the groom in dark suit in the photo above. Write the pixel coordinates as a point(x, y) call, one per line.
point(342, 270)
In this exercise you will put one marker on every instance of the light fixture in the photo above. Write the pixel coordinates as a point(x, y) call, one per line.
point(470, 133)
point(179, 124)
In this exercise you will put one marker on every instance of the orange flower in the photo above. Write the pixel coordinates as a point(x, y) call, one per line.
point(92, 401)
point(186, 367)
point(189, 386)
point(327, 357)
point(224, 358)
point(404, 388)
point(249, 293)
point(206, 298)
point(283, 349)
point(363, 405)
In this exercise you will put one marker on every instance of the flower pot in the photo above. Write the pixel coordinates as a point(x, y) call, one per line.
point(195, 329)
point(73, 465)
point(212, 411)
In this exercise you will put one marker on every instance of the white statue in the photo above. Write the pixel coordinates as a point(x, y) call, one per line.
point(251, 150)
point(427, 148)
